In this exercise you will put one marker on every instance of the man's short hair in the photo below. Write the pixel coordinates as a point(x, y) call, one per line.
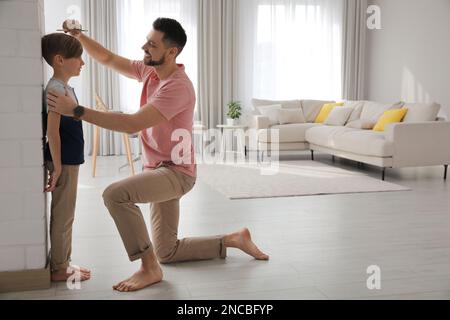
point(60, 44)
point(174, 34)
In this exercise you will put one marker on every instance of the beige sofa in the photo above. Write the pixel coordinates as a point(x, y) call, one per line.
point(421, 139)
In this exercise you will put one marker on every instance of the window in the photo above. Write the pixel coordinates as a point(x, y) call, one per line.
point(135, 19)
point(291, 49)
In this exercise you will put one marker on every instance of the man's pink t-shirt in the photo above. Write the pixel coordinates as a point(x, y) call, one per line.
point(174, 98)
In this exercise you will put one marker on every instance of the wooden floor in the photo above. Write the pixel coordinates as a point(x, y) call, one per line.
point(320, 246)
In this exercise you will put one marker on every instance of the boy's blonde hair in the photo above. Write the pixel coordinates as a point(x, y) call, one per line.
point(60, 44)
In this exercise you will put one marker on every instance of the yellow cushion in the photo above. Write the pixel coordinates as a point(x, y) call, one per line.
point(325, 111)
point(390, 116)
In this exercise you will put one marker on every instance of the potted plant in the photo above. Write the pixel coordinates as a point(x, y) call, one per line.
point(234, 112)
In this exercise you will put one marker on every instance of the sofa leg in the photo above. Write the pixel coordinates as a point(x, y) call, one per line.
point(333, 158)
point(383, 174)
point(312, 155)
point(445, 171)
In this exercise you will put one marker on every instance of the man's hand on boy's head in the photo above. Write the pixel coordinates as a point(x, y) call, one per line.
point(60, 103)
point(73, 27)
point(74, 33)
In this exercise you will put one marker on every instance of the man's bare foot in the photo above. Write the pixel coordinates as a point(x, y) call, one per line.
point(64, 274)
point(141, 279)
point(243, 240)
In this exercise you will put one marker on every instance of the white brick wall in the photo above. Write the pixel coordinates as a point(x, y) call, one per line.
point(23, 243)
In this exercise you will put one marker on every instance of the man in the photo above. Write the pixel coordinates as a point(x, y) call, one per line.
point(167, 104)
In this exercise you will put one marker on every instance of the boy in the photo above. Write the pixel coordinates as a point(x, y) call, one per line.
point(63, 152)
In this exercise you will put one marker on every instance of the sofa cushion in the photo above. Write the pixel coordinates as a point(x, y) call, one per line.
point(338, 116)
point(287, 116)
point(372, 111)
point(288, 133)
point(361, 124)
point(421, 112)
point(270, 112)
point(390, 116)
point(353, 104)
point(285, 104)
point(311, 108)
point(357, 107)
point(362, 142)
point(326, 110)
point(324, 135)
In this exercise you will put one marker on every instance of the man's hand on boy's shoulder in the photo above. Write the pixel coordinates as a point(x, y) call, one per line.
point(60, 103)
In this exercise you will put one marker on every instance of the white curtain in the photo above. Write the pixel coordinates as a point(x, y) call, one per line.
point(354, 49)
point(216, 61)
point(290, 49)
point(100, 21)
point(134, 22)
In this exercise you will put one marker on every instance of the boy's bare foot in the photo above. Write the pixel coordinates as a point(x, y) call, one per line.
point(141, 279)
point(243, 240)
point(64, 274)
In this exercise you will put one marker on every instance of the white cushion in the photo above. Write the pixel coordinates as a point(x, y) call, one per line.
point(357, 109)
point(353, 104)
point(288, 133)
point(286, 116)
point(285, 104)
point(421, 112)
point(368, 143)
point(372, 111)
point(311, 108)
point(270, 112)
point(338, 116)
point(361, 124)
point(356, 114)
point(324, 135)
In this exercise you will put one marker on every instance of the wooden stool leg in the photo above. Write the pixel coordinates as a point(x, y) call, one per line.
point(95, 149)
point(128, 150)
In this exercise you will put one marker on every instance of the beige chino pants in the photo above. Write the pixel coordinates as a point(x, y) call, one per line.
point(62, 214)
point(162, 188)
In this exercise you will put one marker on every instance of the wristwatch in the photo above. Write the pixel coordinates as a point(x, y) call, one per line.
point(78, 112)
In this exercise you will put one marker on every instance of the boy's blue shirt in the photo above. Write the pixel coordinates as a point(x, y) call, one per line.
point(70, 130)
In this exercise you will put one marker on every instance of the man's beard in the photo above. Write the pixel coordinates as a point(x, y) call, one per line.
point(154, 63)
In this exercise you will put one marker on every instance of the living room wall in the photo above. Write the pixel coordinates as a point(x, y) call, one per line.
point(23, 230)
point(408, 59)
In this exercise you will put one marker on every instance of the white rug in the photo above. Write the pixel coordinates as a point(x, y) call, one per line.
point(293, 178)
